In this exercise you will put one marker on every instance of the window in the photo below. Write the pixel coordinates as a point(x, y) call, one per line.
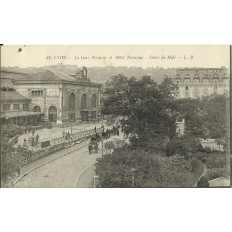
point(16, 107)
point(25, 106)
point(187, 75)
point(37, 92)
point(196, 75)
point(6, 107)
point(186, 88)
point(196, 94)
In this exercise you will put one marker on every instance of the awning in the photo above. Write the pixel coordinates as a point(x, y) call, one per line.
point(15, 114)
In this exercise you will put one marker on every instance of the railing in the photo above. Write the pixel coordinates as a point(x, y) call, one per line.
point(75, 137)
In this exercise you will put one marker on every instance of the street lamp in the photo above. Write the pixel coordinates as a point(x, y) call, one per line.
point(102, 135)
point(132, 170)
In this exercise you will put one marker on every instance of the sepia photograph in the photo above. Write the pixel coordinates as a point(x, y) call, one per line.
point(115, 116)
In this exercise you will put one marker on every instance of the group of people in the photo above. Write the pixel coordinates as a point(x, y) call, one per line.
point(67, 135)
point(33, 140)
point(114, 131)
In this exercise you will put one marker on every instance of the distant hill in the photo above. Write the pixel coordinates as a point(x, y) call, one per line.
point(103, 74)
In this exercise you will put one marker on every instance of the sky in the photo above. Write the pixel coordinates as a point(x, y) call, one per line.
point(206, 56)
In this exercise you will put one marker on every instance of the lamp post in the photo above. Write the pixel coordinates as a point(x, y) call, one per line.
point(132, 170)
point(71, 121)
point(102, 135)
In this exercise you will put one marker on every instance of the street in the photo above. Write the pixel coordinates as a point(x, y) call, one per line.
point(61, 172)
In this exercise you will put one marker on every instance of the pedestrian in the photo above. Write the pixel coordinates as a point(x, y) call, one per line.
point(37, 138)
point(95, 129)
point(68, 135)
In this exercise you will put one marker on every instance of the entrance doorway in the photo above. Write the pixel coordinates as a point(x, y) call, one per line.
point(52, 114)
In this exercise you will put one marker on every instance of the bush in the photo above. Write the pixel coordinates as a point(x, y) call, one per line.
point(151, 170)
point(215, 173)
point(203, 182)
point(195, 164)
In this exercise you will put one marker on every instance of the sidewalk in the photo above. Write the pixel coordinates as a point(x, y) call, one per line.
point(57, 132)
point(220, 182)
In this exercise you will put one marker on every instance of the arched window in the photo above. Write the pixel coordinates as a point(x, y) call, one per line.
point(94, 101)
point(71, 102)
point(83, 101)
point(36, 109)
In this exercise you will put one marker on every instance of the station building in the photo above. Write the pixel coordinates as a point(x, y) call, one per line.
point(15, 108)
point(199, 82)
point(61, 98)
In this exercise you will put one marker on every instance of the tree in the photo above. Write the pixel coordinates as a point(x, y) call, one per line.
point(216, 114)
point(144, 106)
point(12, 156)
point(150, 170)
point(183, 146)
point(203, 182)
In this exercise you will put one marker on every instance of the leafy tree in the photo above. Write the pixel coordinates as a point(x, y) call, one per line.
point(144, 106)
point(195, 164)
point(12, 156)
point(216, 116)
point(183, 146)
point(203, 182)
point(150, 170)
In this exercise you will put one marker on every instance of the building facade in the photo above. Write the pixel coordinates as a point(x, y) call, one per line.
point(211, 144)
point(16, 109)
point(61, 98)
point(180, 126)
point(199, 82)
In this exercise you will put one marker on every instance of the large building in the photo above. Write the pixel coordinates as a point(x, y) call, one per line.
point(199, 82)
point(60, 97)
point(15, 108)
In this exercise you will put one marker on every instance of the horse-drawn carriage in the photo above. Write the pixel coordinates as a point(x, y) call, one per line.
point(93, 144)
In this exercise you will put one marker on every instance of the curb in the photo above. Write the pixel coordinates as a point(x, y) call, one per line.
point(75, 185)
point(24, 174)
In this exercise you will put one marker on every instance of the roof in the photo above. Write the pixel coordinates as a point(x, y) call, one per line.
point(12, 96)
point(47, 75)
point(50, 75)
point(13, 114)
point(14, 72)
